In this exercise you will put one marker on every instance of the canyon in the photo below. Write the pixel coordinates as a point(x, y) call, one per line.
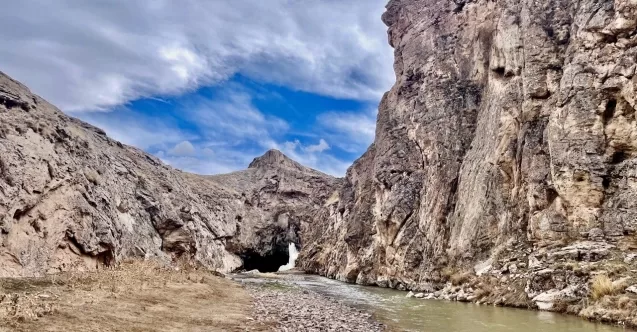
point(503, 171)
point(71, 198)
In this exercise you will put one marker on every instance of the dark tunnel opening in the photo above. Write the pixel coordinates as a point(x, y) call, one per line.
point(270, 262)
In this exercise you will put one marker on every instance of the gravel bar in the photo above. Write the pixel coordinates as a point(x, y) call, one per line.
point(300, 310)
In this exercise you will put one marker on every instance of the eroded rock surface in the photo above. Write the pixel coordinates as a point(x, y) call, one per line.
point(504, 170)
point(508, 143)
point(72, 198)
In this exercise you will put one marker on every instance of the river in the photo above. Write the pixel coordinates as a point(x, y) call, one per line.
point(410, 314)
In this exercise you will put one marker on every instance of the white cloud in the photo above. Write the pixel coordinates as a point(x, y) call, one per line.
point(184, 148)
point(142, 131)
point(289, 146)
point(312, 156)
point(225, 161)
point(208, 152)
point(92, 55)
point(231, 119)
point(239, 132)
point(350, 131)
point(320, 147)
point(184, 63)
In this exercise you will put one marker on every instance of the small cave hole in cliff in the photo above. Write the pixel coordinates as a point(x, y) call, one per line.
point(500, 71)
point(281, 257)
point(618, 157)
point(551, 195)
point(606, 182)
point(609, 112)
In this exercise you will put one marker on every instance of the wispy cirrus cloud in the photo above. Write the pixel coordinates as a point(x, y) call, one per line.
point(227, 80)
point(92, 55)
point(147, 132)
point(351, 131)
point(220, 132)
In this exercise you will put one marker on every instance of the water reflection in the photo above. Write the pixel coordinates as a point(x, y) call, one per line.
point(410, 314)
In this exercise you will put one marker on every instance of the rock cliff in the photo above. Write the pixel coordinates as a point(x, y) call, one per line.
point(507, 146)
point(72, 198)
point(504, 170)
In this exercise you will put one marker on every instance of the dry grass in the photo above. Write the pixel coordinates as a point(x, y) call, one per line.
point(483, 290)
point(602, 285)
point(572, 266)
point(455, 276)
point(447, 272)
point(613, 309)
point(460, 278)
point(135, 296)
point(626, 303)
point(491, 290)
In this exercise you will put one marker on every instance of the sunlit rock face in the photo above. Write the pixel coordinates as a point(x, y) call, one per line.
point(72, 198)
point(506, 147)
point(511, 128)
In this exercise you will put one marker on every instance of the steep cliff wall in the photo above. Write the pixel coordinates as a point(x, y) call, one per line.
point(72, 198)
point(509, 138)
point(504, 170)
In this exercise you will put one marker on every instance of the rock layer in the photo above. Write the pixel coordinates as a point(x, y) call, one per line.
point(505, 157)
point(509, 135)
point(72, 198)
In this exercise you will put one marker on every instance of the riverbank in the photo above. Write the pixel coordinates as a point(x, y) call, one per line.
point(593, 280)
point(412, 314)
point(135, 296)
point(142, 296)
point(295, 309)
point(146, 296)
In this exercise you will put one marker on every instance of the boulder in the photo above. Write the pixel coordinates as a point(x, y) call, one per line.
point(547, 300)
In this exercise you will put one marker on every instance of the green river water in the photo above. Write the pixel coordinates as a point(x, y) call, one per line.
point(410, 314)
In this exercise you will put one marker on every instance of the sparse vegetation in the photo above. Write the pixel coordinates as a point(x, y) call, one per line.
point(483, 290)
point(572, 266)
point(456, 276)
point(447, 272)
point(616, 309)
point(460, 278)
point(134, 296)
point(602, 285)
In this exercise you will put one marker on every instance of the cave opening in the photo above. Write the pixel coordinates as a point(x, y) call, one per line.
point(268, 262)
point(618, 157)
point(609, 111)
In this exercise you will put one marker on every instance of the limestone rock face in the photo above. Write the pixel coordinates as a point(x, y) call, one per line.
point(506, 151)
point(510, 129)
point(72, 198)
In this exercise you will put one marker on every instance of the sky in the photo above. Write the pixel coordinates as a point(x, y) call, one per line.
point(208, 85)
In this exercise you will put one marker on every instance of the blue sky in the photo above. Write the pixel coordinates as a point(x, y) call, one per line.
point(207, 85)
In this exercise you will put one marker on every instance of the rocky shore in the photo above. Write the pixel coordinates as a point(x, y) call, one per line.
point(593, 280)
point(300, 310)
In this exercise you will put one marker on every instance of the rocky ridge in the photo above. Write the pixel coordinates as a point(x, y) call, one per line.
point(503, 171)
point(73, 198)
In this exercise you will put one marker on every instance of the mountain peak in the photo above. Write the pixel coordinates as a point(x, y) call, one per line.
point(274, 158)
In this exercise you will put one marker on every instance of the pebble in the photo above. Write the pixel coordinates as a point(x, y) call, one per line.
point(307, 311)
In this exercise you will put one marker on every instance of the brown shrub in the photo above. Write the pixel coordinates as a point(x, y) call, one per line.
point(460, 278)
point(602, 285)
